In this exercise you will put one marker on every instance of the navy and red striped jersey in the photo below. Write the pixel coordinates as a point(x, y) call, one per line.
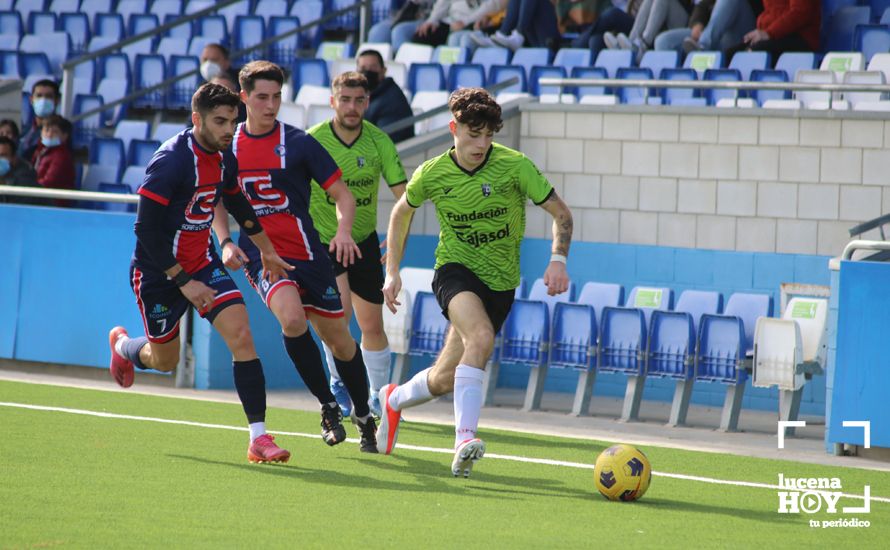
point(186, 179)
point(275, 171)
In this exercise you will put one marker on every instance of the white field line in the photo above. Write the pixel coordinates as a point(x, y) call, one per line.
point(544, 461)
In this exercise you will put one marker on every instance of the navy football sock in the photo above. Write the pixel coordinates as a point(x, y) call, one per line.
point(304, 353)
point(130, 349)
point(251, 387)
point(355, 378)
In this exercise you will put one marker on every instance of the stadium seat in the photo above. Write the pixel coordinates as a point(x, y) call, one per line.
point(814, 99)
point(128, 130)
point(501, 73)
point(425, 101)
point(681, 96)
point(55, 45)
point(747, 62)
point(150, 70)
point(310, 94)
point(383, 48)
point(601, 295)
point(545, 71)
point(144, 46)
point(790, 350)
point(569, 58)
point(539, 292)
point(414, 53)
point(465, 75)
point(133, 177)
point(33, 64)
point(197, 45)
point(347, 21)
point(841, 62)
point(97, 174)
point(113, 65)
point(310, 71)
point(9, 64)
point(25, 7)
point(308, 11)
point(166, 130)
point(126, 8)
point(491, 56)
point(179, 95)
point(182, 31)
point(612, 60)
point(881, 62)
point(284, 51)
point(271, 8)
point(526, 339)
point(213, 27)
point(863, 77)
point(885, 18)
point(573, 345)
point(761, 96)
point(633, 95)
point(791, 62)
point(330, 51)
point(163, 8)
point(725, 343)
point(871, 39)
point(425, 77)
point(713, 95)
point(448, 55)
point(42, 22)
point(397, 326)
point(109, 25)
point(91, 7)
point(529, 57)
point(839, 31)
point(656, 60)
point(108, 152)
point(140, 151)
point(428, 326)
point(702, 61)
point(113, 89)
point(318, 113)
point(249, 30)
point(170, 46)
point(77, 25)
point(11, 24)
point(87, 128)
point(594, 95)
point(293, 114)
point(119, 188)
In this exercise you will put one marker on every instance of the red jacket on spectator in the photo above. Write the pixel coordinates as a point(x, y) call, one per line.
point(55, 168)
point(781, 18)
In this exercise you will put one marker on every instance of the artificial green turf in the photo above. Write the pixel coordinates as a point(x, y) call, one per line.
point(80, 481)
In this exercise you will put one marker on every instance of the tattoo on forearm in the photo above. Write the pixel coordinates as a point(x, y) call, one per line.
point(562, 234)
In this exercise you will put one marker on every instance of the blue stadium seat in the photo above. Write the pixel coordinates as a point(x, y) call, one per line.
point(636, 96)
point(99, 42)
point(309, 71)
point(113, 65)
point(213, 27)
point(197, 44)
point(91, 7)
point(612, 60)
point(194, 6)
point(713, 95)
point(108, 152)
point(56, 46)
point(681, 96)
point(330, 50)
point(878, 7)
point(163, 8)
point(141, 151)
point(622, 341)
point(746, 62)
point(170, 46)
point(86, 129)
point(249, 29)
point(569, 58)
point(33, 64)
point(466, 75)
point(182, 31)
point(97, 174)
point(871, 39)
point(109, 25)
point(166, 130)
point(601, 295)
point(830, 7)
point(500, 73)
point(128, 130)
point(573, 343)
point(769, 76)
point(59, 6)
point(112, 89)
point(11, 24)
point(9, 64)
point(885, 18)
point(702, 61)
point(529, 57)
point(27, 113)
point(42, 22)
point(539, 292)
point(232, 11)
point(381, 9)
point(285, 50)
point(348, 21)
point(428, 326)
point(426, 77)
point(133, 177)
point(179, 96)
point(649, 299)
point(656, 60)
point(308, 11)
point(150, 70)
point(25, 7)
point(791, 62)
point(838, 35)
point(119, 188)
point(672, 334)
point(491, 56)
point(271, 8)
point(725, 340)
point(144, 46)
point(141, 22)
point(125, 8)
point(9, 42)
point(588, 72)
point(545, 71)
point(77, 25)
point(526, 339)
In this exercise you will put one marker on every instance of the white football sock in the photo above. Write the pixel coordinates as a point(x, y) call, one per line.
point(332, 367)
point(377, 364)
point(412, 393)
point(257, 429)
point(119, 345)
point(467, 402)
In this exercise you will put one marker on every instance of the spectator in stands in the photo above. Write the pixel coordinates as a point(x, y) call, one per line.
point(14, 170)
point(399, 28)
point(388, 102)
point(215, 61)
point(528, 23)
point(578, 15)
point(653, 17)
point(784, 26)
point(713, 25)
point(451, 17)
point(10, 129)
point(45, 97)
point(619, 18)
point(52, 159)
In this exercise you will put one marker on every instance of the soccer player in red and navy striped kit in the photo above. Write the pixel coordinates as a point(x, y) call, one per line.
point(174, 263)
point(276, 164)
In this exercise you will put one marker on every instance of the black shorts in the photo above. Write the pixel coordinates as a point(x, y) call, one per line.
point(452, 279)
point(366, 274)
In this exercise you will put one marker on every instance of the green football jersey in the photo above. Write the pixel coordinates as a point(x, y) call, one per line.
point(481, 213)
point(371, 155)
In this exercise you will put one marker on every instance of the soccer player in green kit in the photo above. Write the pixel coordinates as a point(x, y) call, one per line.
point(479, 190)
point(364, 153)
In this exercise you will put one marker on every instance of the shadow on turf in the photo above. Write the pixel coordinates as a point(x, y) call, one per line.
point(433, 476)
point(687, 507)
point(508, 438)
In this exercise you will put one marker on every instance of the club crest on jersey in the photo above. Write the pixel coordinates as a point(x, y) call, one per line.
point(360, 161)
point(486, 189)
point(280, 150)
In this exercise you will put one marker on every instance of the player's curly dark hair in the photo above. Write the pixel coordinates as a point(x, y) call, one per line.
point(209, 96)
point(476, 108)
point(259, 70)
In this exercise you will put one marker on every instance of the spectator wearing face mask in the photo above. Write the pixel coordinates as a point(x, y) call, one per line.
point(388, 103)
point(52, 160)
point(14, 170)
point(215, 62)
point(45, 96)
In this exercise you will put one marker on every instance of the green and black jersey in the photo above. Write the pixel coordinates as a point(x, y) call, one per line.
point(371, 155)
point(481, 213)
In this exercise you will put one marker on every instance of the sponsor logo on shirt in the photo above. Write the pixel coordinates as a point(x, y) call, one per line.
point(477, 238)
point(159, 311)
point(486, 189)
point(481, 215)
point(360, 162)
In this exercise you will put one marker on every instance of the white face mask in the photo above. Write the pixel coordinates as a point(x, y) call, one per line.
point(209, 70)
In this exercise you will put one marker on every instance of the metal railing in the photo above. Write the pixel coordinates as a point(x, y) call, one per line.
point(68, 67)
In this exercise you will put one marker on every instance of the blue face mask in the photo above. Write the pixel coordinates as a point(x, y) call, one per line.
point(44, 107)
point(51, 142)
point(4, 166)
